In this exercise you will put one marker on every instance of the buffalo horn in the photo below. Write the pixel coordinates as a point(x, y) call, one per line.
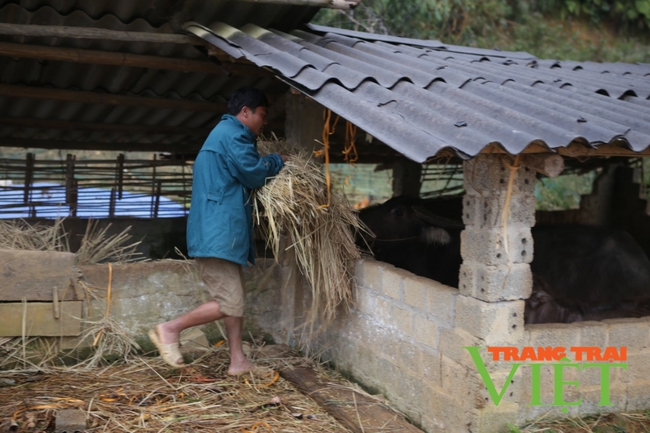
point(437, 220)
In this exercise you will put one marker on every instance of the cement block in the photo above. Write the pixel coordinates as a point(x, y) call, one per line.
point(592, 398)
point(495, 283)
point(402, 319)
point(462, 384)
point(430, 369)
point(592, 333)
point(443, 413)
point(494, 322)
point(410, 356)
point(630, 333)
point(513, 394)
point(425, 331)
point(416, 292)
point(638, 368)
point(452, 342)
point(487, 211)
point(489, 173)
point(392, 284)
point(488, 246)
point(364, 301)
point(638, 397)
point(382, 315)
point(441, 304)
point(496, 419)
point(368, 274)
point(554, 334)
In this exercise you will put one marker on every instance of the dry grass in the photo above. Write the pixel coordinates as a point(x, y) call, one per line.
point(635, 422)
point(144, 395)
point(19, 235)
point(96, 245)
point(294, 204)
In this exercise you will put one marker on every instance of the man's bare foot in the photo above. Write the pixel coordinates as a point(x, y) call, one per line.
point(240, 367)
point(168, 350)
point(165, 336)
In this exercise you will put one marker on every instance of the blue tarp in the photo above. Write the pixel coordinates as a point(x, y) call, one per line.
point(48, 200)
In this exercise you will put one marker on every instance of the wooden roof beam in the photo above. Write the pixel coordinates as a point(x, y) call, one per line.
point(97, 33)
point(118, 147)
point(331, 4)
point(125, 59)
point(29, 122)
point(109, 99)
point(67, 125)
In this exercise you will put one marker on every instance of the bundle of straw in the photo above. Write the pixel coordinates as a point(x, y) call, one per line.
point(294, 203)
point(19, 235)
point(96, 246)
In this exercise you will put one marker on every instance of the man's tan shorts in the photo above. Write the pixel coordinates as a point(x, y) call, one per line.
point(225, 283)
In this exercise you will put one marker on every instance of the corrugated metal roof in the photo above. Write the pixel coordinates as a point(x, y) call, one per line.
point(420, 97)
point(151, 16)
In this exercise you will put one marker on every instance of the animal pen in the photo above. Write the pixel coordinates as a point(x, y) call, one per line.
point(101, 76)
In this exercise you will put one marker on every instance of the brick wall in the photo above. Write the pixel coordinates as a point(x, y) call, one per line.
point(405, 335)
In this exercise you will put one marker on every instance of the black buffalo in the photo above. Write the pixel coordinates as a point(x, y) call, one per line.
point(580, 273)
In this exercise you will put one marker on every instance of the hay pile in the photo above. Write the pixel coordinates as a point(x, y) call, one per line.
point(144, 395)
point(295, 203)
point(96, 246)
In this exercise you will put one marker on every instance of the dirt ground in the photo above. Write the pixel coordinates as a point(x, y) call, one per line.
point(145, 395)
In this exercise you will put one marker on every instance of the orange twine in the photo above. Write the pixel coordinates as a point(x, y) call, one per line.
point(108, 301)
point(257, 424)
point(350, 150)
point(328, 129)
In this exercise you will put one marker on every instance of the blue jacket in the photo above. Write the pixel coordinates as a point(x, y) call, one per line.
point(227, 168)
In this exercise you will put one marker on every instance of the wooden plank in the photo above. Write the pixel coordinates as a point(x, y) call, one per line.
point(29, 122)
point(78, 55)
point(97, 33)
point(81, 145)
point(39, 319)
point(109, 98)
point(353, 410)
point(33, 275)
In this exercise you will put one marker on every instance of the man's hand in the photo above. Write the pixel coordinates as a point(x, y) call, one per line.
point(285, 158)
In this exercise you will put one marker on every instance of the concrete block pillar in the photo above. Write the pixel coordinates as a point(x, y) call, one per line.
point(497, 245)
point(495, 277)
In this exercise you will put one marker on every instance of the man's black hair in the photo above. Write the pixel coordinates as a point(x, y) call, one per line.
point(246, 97)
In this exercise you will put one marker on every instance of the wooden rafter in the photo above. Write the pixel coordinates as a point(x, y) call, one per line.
point(96, 33)
point(109, 58)
point(28, 122)
point(108, 98)
point(81, 145)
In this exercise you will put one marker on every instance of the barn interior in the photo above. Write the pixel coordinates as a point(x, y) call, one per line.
point(104, 105)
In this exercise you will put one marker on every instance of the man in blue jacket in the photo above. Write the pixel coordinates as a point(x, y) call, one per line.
point(220, 226)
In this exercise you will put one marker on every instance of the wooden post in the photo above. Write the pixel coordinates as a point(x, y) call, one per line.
point(156, 198)
point(111, 204)
point(406, 178)
point(69, 179)
point(29, 175)
point(119, 175)
point(304, 122)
